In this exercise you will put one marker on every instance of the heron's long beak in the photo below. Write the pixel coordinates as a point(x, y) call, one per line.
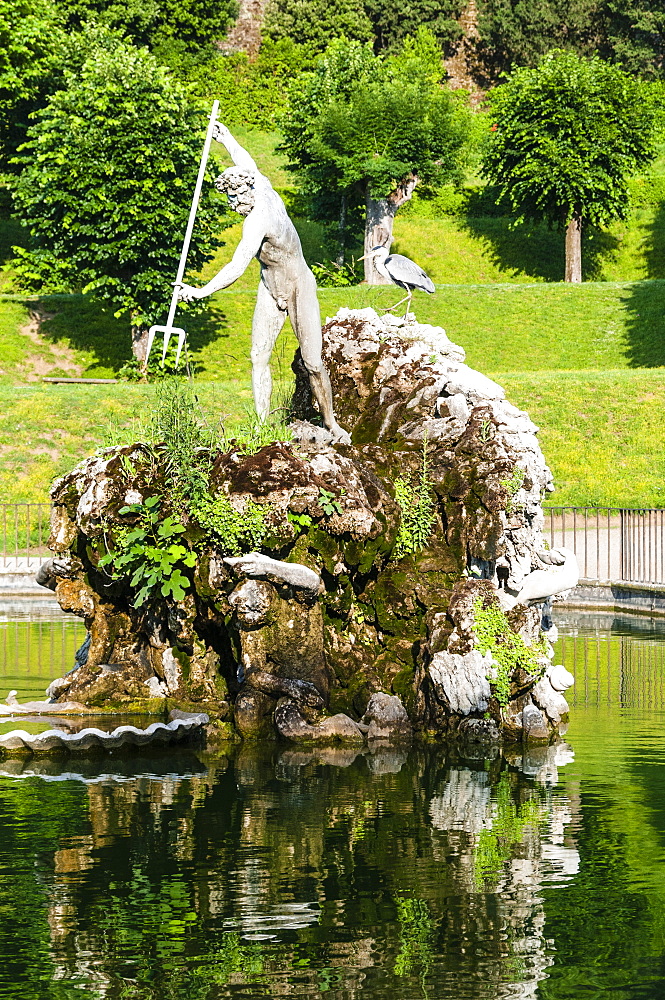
point(363, 256)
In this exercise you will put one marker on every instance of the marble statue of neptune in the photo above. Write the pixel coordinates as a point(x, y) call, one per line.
point(287, 286)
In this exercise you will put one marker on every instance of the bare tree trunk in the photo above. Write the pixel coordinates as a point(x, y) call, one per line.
point(378, 232)
point(574, 248)
point(341, 233)
point(379, 219)
point(139, 343)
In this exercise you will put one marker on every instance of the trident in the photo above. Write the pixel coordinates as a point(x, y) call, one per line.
point(170, 328)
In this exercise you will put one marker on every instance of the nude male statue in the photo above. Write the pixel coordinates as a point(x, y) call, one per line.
point(287, 286)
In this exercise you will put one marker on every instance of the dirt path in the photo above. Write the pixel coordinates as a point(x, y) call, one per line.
point(53, 356)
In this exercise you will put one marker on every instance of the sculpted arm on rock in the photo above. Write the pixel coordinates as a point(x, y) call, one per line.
point(561, 575)
point(295, 574)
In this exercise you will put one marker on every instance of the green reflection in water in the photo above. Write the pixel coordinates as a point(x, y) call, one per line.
point(390, 875)
point(37, 644)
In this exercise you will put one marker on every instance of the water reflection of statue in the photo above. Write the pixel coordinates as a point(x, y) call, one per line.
point(287, 286)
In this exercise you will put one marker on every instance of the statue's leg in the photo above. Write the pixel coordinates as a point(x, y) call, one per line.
point(305, 317)
point(267, 322)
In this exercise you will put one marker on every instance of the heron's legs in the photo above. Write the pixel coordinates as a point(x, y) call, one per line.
point(408, 307)
point(389, 310)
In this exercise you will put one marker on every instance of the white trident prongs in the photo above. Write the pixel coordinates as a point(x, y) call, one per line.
point(170, 329)
point(167, 331)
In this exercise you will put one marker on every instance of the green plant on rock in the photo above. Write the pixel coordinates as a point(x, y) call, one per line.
point(512, 485)
point(148, 554)
point(299, 521)
point(416, 503)
point(180, 427)
point(509, 650)
point(329, 503)
point(232, 532)
point(255, 433)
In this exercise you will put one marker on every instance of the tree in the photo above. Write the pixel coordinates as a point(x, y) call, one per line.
point(318, 22)
point(105, 187)
point(31, 35)
point(194, 23)
point(365, 130)
point(519, 32)
point(440, 17)
point(564, 138)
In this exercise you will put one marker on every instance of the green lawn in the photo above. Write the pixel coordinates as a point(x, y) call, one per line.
point(601, 432)
point(542, 327)
point(46, 429)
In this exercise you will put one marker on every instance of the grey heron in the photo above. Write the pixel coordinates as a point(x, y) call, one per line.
point(401, 271)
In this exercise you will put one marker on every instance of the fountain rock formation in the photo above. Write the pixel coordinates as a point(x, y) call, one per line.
point(423, 533)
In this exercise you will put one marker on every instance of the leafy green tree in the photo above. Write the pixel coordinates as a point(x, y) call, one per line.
point(362, 132)
point(519, 32)
point(317, 22)
point(252, 89)
point(438, 16)
point(565, 136)
point(635, 35)
point(105, 187)
point(31, 36)
point(151, 22)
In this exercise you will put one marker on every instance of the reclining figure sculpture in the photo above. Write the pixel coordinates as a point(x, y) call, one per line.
point(287, 286)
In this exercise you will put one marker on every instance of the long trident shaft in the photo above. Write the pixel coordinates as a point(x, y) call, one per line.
point(169, 328)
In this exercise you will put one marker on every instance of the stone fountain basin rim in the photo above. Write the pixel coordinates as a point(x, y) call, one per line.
point(54, 741)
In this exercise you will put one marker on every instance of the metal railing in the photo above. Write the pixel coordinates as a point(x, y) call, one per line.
point(24, 531)
point(612, 544)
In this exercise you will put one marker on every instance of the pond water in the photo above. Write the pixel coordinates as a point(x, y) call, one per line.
point(397, 874)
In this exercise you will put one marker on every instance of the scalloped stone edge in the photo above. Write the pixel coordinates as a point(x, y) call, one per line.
point(20, 743)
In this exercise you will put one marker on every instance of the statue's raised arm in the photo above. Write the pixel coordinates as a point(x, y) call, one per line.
point(240, 156)
point(287, 286)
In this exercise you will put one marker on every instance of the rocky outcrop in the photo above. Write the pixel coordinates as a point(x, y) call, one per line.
point(394, 548)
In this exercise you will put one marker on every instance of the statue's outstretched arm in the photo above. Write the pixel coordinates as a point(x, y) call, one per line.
point(240, 156)
point(252, 236)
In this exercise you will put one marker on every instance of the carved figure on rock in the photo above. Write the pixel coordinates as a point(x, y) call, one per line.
point(287, 286)
point(561, 575)
point(281, 636)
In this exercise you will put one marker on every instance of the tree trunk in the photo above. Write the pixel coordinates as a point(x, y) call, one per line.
point(139, 343)
point(378, 232)
point(341, 233)
point(574, 248)
point(379, 219)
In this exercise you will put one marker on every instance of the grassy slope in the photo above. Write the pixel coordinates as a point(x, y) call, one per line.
point(566, 352)
point(601, 432)
point(502, 327)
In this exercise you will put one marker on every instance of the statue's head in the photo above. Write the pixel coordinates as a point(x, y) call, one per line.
point(238, 186)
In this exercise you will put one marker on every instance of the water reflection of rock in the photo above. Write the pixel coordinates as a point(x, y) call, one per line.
point(509, 844)
point(272, 851)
